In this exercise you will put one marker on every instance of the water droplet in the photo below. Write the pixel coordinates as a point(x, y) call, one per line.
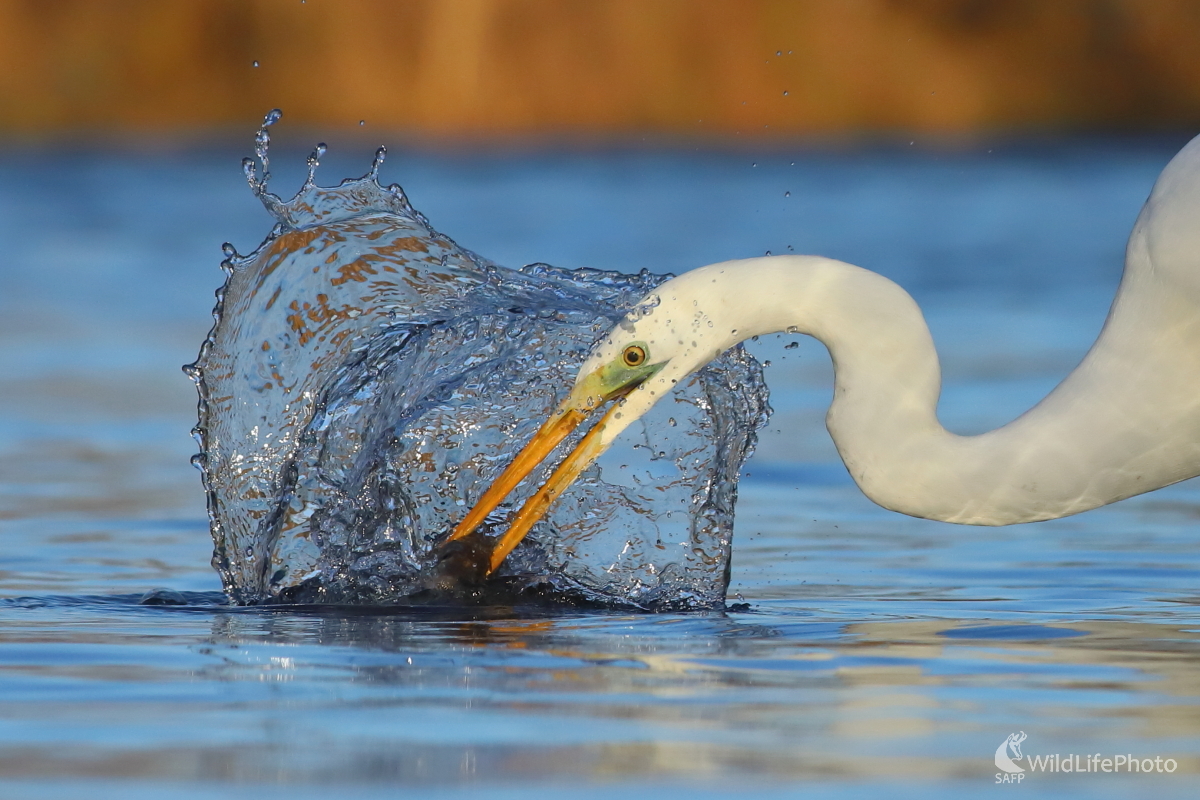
point(646, 307)
point(787, 194)
point(256, 63)
point(229, 250)
point(768, 252)
point(250, 169)
point(766, 363)
point(362, 122)
point(793, 329)
point(754, 163)
point(785, 94)
point(791, 346)
point(377, 162)
point(262, 144)
point(671, 421)
point(778, 52)
point(314, 160)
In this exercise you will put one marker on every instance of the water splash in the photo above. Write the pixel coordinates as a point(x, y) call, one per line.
point(314, 161)
point(366, 378)
point(262, 144)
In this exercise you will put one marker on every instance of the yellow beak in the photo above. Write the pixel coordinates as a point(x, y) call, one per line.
point(565, 419)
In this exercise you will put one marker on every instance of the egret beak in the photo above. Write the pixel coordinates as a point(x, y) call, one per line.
point(570, 413)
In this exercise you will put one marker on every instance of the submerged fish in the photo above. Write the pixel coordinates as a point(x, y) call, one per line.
point(366, 378)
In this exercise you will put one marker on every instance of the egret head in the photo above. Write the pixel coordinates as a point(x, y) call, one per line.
point(663, 339)
point(628, 370)
point(612, 370)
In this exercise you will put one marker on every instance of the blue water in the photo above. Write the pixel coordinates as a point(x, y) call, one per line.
point(864, 652)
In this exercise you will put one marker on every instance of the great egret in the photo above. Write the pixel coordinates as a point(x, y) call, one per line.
point(1125, 421)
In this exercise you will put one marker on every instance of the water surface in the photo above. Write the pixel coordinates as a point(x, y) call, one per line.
point(873, 653)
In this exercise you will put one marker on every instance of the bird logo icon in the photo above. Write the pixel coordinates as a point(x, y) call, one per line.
point(1003, 760)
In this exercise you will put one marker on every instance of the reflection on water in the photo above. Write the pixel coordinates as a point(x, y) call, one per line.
point(447, 698)
point(367, 379)
point(877, 655)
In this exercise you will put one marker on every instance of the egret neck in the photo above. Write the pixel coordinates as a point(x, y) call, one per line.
point(1125, 421)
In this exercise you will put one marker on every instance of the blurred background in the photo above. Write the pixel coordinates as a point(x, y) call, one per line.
point(580, 68)
point(988, 155)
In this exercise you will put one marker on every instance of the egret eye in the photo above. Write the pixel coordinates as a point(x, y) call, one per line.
point(634, 356)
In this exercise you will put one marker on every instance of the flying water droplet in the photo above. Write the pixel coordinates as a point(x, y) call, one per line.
point(787, 194)
point(315, 160)
point(250, 169)
point(256, 63)
point(377, 162)
point(785, 94)
point(768, 252)
point(262, 144)
point(646, 307)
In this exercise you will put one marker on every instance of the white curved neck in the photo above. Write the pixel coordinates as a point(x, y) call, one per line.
point(1126, 421)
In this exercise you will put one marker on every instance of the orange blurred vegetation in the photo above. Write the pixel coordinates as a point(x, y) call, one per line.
point(681, 67)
